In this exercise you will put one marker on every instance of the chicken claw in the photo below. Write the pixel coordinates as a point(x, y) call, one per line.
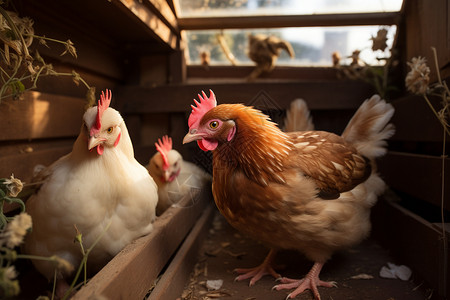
point(256, 273)
point(311, 281)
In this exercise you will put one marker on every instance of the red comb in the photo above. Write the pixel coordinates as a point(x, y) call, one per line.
point(164, 147)
point(102, 105)
point(203, 107)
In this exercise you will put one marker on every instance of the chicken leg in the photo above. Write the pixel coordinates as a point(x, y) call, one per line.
point(311, 281)
point(256, 273)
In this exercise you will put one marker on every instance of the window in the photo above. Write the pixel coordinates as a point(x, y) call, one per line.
point(313, 45)
point(225, 8)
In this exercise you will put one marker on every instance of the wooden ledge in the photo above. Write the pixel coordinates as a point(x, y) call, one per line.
point(415, 241)
point(178, 98)
point(132, 272)
point(350, 19)
point(172, 283)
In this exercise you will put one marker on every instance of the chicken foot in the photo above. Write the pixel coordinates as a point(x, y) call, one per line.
point(311, 281)
point(256, 273)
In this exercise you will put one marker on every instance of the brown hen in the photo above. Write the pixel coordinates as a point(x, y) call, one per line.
point(310, 191)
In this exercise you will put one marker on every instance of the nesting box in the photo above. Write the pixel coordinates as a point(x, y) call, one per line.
point(138, 50)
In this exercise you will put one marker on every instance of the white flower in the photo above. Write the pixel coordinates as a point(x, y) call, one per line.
point(9, 273)
point(16, 230)
point(418, 78)
point(14, 186)
point(10, 286)
point(62, 264)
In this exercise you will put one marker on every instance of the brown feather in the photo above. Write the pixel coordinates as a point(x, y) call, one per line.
point(333, 163)
point(250, 150)
point(263, 152)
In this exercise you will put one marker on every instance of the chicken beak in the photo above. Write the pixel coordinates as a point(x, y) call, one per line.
point(94, 141)
point(191, 136)
point(166, 176)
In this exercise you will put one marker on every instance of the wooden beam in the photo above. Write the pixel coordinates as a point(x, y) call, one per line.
point(279, 94)
point(388, 18)
point(41, 115)
point(162, 8)
point(97, 48)
point(151, 21)
point(199, 73)
point(416, 175)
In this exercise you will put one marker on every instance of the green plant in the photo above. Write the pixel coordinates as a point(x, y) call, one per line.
point(9, 189)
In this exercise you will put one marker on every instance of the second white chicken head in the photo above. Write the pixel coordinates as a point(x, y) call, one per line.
point(102, 125)
point(167, 161)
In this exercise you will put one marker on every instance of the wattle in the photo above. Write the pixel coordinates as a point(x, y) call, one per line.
point(99, 149)
point(207, 145)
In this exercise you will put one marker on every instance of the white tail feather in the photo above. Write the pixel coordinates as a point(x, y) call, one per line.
point(369, 128)
point(298, 117)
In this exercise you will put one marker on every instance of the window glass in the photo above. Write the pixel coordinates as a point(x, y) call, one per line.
point(313, 46)
point(212, 8)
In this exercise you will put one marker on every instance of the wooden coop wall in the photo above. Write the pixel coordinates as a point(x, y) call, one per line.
point(115, 47)
point(119, 43)
point(135, 49)
point(411, 225)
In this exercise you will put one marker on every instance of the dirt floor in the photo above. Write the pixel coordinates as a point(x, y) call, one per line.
point(225, 249)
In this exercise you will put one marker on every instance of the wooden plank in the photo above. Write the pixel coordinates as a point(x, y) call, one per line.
point(64, 85)
point(197, 72)
point(162, 7)
point(79, 21)
point(414, 120)
point(21, 158)
point(130, 274)
point(40, 115)
point(151, 21)
point(278, 94)
point(174, 6)
point(420, 37)
point(415, 242)
point(177, 66)
point(416, 175)
point(316, 20)
point(172, 283)
point(111, 35)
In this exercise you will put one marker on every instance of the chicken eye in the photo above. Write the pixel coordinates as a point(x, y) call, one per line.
point(214, 124)
point(110, 130)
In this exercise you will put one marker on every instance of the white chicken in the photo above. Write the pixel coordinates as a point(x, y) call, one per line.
point(100, 188)
point(174, 176)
